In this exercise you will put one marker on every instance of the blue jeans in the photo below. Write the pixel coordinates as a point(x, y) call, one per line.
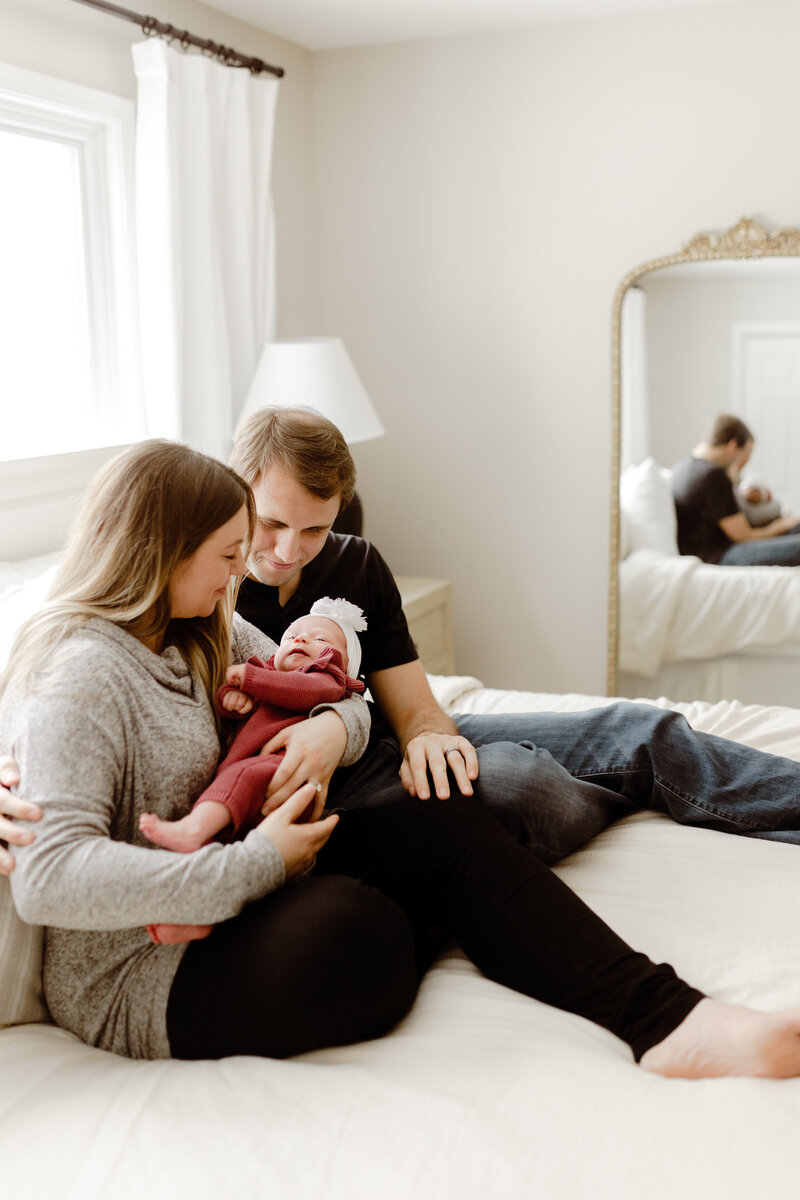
point(766, 552)
point(557, 779)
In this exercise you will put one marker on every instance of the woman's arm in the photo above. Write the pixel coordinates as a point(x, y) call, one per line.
point(78, 873)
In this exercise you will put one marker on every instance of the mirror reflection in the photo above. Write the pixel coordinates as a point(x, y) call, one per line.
point(698, 339)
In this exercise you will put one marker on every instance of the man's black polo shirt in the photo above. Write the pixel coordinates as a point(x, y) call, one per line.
point(349, 567)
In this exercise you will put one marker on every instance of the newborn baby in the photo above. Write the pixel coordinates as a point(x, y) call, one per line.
point(310, 667)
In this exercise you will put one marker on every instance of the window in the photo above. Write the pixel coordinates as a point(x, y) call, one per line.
point(69, 365)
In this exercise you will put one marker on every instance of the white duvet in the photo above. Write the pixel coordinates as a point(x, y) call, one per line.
point(479, 1093)
point(678, 608)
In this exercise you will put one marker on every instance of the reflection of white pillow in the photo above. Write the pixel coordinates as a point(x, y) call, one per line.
point(647, 509)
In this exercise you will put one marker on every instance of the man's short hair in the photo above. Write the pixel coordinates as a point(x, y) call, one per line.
point(304, 443)
point(728, 429)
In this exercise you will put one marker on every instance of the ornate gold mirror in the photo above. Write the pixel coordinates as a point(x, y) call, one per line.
point(696, 334)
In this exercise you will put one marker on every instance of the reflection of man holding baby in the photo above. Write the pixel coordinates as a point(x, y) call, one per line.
point(712, 522)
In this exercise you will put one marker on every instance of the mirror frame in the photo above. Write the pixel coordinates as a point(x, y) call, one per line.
point(747, 239)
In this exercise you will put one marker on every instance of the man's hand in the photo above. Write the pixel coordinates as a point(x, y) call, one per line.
point(424, 732)
point(431, 754)
point(13, 806)
point(314, 749)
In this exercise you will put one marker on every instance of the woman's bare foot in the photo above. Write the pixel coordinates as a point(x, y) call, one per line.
point(718, 1039)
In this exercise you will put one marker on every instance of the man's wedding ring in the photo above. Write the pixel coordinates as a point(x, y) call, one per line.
point(450, 750)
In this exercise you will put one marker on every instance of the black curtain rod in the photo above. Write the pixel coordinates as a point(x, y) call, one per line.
point(153, 28)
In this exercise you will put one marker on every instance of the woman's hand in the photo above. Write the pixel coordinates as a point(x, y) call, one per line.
point(298, 843)
point(13, 806)
point(314, 749)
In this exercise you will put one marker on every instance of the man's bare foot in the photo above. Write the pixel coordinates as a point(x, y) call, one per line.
point(182, 835)
point(718, 1039)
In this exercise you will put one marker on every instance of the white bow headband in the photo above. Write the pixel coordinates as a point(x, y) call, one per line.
point(350, 619)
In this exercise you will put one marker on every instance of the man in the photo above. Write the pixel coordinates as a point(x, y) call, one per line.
point(711, 523)
point(554, 779)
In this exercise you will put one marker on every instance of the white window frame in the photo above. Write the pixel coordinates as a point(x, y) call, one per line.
point(100, 126)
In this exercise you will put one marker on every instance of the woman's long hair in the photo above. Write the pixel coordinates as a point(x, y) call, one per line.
point(145, 512)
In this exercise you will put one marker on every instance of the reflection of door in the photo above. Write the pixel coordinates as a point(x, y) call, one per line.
point(766, 385)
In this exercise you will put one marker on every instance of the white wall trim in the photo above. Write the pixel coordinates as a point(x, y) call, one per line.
point(26, 481)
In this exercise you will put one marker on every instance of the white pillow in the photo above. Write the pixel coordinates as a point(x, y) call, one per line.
point(21, 998)
point(17, 603)
point(14, 574)
point(647, 509)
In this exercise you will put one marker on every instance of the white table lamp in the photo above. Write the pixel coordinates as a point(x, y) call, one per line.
point(317, 373)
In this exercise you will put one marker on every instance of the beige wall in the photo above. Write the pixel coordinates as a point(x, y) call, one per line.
point(479, 201)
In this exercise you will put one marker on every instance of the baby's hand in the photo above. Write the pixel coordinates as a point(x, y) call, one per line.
point(238, 702)
point(235, 674)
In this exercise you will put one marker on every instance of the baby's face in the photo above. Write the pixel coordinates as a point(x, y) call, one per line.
point(304, 641)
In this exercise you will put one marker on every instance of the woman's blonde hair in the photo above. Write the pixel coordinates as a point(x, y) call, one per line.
point(146, 511)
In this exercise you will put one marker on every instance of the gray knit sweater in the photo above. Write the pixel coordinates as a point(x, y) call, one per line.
point(112, 731)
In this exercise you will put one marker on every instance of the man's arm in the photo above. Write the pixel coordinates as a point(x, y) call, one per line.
point(739, 529)
point(424, 731)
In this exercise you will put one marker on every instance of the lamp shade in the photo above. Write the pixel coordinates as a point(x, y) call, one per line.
point(315, 373)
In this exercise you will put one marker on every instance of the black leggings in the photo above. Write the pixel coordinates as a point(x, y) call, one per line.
point(336, 958)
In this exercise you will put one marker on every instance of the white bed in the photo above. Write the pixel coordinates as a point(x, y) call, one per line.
point(689, 629)
point(479, 1092)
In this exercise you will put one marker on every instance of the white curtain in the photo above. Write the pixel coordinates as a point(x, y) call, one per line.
point(635, 437)
point(205, 232)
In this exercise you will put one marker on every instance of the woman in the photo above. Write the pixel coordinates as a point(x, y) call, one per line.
point(107, 702)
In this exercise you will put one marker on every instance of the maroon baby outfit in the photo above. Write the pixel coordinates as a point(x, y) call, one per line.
point(284, 698)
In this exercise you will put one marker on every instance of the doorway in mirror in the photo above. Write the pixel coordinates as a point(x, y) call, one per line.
point(766, 390)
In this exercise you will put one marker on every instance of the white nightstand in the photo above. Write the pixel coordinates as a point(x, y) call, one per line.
point(428, 605)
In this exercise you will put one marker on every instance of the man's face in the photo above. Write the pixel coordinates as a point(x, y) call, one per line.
point(291, 528)
point(742, 455)
point(737, 456)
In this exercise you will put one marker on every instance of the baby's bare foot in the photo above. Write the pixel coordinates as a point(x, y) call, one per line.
point(176, 935)
point(171, 835)
point(718, 1039)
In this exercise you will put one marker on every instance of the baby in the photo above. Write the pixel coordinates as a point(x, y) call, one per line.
point(310, 667)
point(756, 501)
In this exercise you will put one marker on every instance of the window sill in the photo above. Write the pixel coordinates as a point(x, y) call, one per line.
point(51, 477)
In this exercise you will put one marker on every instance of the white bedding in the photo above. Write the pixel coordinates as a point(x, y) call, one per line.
point(680, 609)
point(479, 1092)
